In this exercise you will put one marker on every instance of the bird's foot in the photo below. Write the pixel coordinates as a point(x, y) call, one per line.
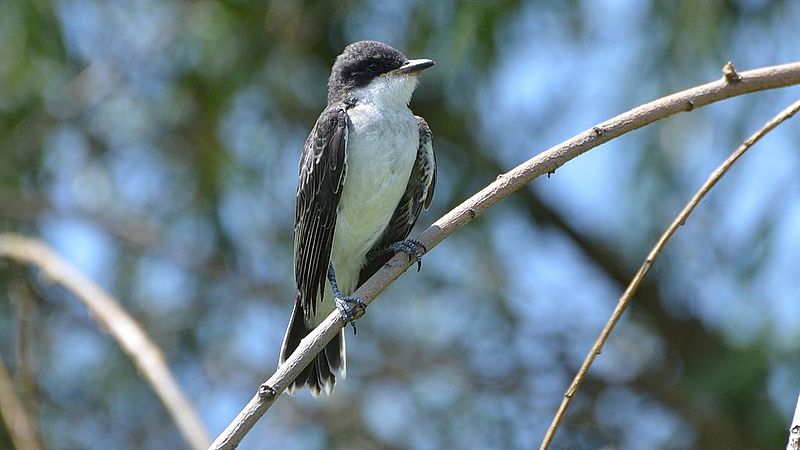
point(411, 247)
point(350, 307)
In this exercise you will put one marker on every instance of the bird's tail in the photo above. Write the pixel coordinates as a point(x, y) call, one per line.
point(319, 375)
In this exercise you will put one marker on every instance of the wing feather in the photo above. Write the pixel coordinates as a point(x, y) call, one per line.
point(323, 167)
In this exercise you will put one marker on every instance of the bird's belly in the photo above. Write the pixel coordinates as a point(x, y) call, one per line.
point(380, 156)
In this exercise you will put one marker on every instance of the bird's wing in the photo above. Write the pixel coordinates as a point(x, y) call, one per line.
point(418, 194)
point(323, 167)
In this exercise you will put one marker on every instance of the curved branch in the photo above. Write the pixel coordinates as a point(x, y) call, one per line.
point(144, 353)
point(545, 162)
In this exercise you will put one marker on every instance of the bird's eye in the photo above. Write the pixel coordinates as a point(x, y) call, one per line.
point(374, 67)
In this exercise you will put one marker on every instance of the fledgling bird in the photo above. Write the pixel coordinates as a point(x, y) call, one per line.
point(366, 171)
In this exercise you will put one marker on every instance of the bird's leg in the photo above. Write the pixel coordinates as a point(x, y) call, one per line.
point(411, 247)
point(351, 308)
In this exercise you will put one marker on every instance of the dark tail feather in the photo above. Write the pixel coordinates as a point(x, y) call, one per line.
point(318, 376)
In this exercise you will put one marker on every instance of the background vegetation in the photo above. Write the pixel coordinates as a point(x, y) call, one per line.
point(155, 145)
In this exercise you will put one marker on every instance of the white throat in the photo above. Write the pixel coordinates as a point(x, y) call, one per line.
point(389, 91)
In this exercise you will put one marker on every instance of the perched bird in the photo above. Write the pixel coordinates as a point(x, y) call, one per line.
point(366, 171)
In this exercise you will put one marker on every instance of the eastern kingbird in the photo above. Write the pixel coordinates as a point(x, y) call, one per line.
point(366, 172)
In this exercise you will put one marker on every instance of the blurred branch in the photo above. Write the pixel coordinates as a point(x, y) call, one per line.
point(23, 298)
point(794, 429)
point(21, 426)
point(469, 210)
point(129, 334)
point(627, 296)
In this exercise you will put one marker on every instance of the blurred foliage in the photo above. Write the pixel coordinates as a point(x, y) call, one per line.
point(155, 145)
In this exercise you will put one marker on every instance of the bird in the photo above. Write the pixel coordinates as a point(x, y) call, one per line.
point(366, 172)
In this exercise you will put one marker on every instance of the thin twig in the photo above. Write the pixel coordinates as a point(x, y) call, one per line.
point(545, 162)
point(20, 425)
point(129, 334)
point(627, 296)
point(794, 429)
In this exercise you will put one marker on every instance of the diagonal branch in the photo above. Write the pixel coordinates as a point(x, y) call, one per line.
point(545, 162)
point(627, 296)
point(20, 424)
point(794, 429)
point(144, 353)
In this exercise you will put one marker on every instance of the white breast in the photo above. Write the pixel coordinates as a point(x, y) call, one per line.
point(381, 149)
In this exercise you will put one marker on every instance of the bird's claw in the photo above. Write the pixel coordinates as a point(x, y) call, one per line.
point(411, 247)
point(351, 308)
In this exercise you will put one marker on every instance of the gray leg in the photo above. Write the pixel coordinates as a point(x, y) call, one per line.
point(349, 307)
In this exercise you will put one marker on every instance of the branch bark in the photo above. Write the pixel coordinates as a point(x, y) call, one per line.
point(144, 353)
point(679, 220)
point(794, 429)
point(545, 162)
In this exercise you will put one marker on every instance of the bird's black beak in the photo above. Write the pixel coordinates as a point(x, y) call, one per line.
point(413, 66)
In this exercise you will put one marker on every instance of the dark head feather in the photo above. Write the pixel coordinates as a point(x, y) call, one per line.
point(360, 63)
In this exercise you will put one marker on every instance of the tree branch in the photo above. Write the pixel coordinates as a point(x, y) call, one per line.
point(794, 429)
point(144, 353)
point(20, 425)
point(545, 162)
point(627, 296)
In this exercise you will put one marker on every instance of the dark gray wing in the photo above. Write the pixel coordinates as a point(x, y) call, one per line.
point(418, 194)
point(323, 167)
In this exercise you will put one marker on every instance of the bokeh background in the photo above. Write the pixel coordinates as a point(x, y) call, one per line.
point(155, 145)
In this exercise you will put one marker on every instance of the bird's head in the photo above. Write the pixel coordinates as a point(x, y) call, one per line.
point(373, 72)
